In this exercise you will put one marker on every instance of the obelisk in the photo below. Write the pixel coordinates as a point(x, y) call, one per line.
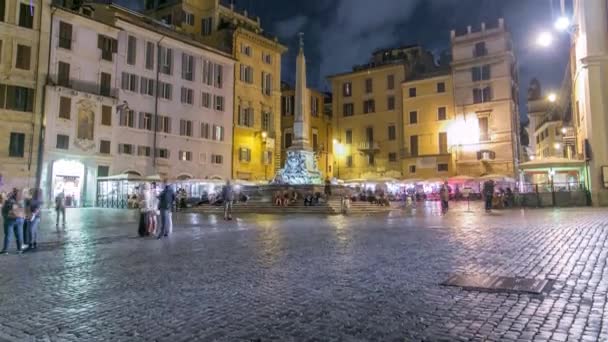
point(301, 119)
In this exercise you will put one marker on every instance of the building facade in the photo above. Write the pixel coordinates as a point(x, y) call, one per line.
point(589, 70)
point(127, 95)
point(321, 130)
point(256, 141)
point(24, 34)
point(428, 119)
point(367, 113)
point(484, 71)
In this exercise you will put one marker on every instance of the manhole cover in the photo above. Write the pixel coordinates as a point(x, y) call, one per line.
point(484, 282)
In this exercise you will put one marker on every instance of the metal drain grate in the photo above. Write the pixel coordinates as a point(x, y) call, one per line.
point(484, 282)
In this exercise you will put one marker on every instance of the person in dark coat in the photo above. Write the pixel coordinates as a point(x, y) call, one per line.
point(488, 193)
point(165, 204)
point(32, 208)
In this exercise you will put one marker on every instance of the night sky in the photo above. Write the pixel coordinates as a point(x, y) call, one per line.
point(342, 33)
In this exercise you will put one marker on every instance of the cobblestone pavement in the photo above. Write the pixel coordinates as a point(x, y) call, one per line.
point(307, 278)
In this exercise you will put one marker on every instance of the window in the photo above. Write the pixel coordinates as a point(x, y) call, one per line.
point(185, 155)
point(206, 100)
point(480, 73)
point(267, 122)
point(103, 171)
point(441, 87)
point(144, 151)
point(315, 140)
point(145, 121)
point(414, 145)
point(267, 160)
point(189, 18)
point(105, 84)
point(246, 117)
point(442, 114)
point(348, 109)
point(412, 92)
point(349, 161)
point(149, 55)
point(63, 142)
point(187, 67)
point(108, 47)
point(185, 128)
point(443, 143)
point(23, 57)
point(167, 19)
point(413, 117)
point(162, 153)
point(16, 146)
point(166, 90)
point(131, 50)
point(218, 103)
point(486, 73)
point(390, 103)
point(244, 154)
point(369, 106)
point(208, 69)
point(26, 15)
point(166, 60)
point(267, 58)
point(16, 98)
point(484, 129)
point(347, 89)
point(369, 86)
point(287, 103)
point(65, 107)
point(206, 26)
point(104, 147)
point(246, 50)
point(392, 157)
point(371, 160)
point(480, 50)
point(63, 74)
point(412, 168)
point(392, 132)
point(246, 74)
point(482, 95)
point(2, 8)
point(390, 82)
point(106, 115)
point(266, 83)
point(163, 124)
point(187, 96)
point(65, 35)
point(217, 159)
point(127, 118)
point(205, 128)
point(218, 133)
point(442, 167)
point(219, 76)
point(314, 106)
point(130, 82)
point(288, 140)
point(147, 86)
point(349, 136)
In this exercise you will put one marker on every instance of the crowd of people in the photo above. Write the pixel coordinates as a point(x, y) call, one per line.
point(21, 218)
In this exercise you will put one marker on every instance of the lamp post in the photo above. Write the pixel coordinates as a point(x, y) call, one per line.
point(339, 151)
point(264, 136)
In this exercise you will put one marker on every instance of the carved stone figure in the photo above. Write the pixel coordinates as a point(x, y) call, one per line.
point(86, 120)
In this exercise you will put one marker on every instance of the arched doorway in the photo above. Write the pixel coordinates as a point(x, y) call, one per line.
point(133, 173)
point(184, 177)
point(68, 177)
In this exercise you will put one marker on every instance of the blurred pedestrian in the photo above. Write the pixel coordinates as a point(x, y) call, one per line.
point(13, 214)
point(60, 208)
point(444, 196)
point(166, 200)
point(228, 197)
point(488, 193)
point(32, 210)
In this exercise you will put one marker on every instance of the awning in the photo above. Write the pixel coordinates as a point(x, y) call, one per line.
point(552, 163)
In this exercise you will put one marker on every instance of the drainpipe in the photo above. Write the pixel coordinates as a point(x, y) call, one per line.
point(42, 112)
point(155, 123)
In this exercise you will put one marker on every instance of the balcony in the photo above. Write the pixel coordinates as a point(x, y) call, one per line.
point(368, 147)
point(93, 88)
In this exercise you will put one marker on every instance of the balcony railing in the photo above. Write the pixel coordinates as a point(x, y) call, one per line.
point(83, 86)
point(369, 146)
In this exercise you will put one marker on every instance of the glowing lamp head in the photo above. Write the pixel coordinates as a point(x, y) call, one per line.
point(335, 141)
point(552, 97)
point(564, 130)
point(562, 24)
point(544, 39)
point(264, 135)
point(557, 146)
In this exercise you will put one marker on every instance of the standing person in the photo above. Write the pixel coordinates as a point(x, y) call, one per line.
point(327, 188)
point(488, 193)
point(60, 207)
point(228, 197)
point(444, 194)
point(32, 209)
point(13, 213)
point(147, 209)
point(165, 204)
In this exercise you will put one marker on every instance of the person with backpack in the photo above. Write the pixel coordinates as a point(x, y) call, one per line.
point(13, 214)
point(60, 207)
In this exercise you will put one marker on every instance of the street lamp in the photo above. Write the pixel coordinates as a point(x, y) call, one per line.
point(562, 24)
point(552, 97)
point(544, 39)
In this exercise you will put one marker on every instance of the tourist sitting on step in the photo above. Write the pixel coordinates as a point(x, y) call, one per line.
point(277, 199)
point(308, 200)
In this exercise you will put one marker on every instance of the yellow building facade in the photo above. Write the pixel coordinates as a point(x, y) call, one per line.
point(257, 93)
point(321, 131)
point(428, 113)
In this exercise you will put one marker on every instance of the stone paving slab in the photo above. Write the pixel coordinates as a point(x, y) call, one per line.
point(306, 278)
